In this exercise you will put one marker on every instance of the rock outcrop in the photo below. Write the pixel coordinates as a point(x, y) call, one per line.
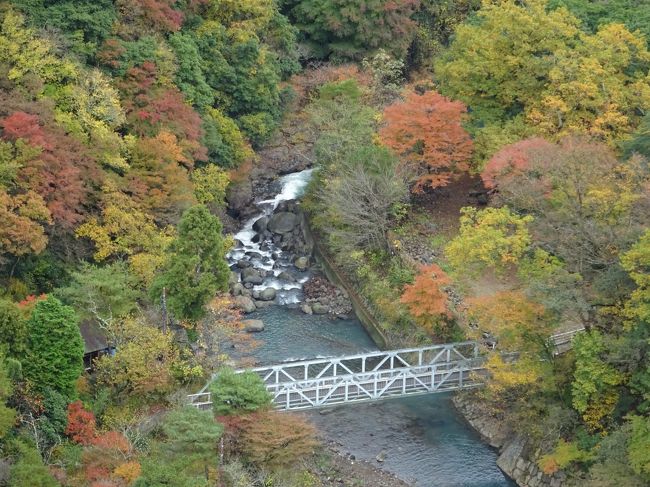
point(515, 457)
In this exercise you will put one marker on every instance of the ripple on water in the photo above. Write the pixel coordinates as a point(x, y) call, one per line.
point(425, 439)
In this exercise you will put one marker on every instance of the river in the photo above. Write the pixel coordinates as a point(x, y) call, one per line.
point(423, 438)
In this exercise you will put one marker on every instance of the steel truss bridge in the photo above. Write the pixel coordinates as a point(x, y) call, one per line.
point(368, 376)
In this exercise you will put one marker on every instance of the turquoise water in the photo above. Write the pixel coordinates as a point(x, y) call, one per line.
point(425, 441)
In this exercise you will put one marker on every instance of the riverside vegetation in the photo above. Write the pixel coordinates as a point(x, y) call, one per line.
point(481, 171)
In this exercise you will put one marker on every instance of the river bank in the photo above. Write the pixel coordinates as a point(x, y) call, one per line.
point(411, 440)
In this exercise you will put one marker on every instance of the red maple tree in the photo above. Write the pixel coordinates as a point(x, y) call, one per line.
point(426, 131)
point(151, 108)
point(62, 174)
point(512, 160)
point(81, 424)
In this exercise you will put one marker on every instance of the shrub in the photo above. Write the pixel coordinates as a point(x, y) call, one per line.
point(238, 393)
point(272, 439)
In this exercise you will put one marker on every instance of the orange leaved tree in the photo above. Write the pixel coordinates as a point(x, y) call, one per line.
point(426, 298)
point(512, 160)
point(426, 131)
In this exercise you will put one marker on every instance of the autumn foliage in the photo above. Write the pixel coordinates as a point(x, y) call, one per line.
point(512, 160)
point(426, 130)
point(60, 173)
point(81, 424)
point(426, 298)
point(270, 438)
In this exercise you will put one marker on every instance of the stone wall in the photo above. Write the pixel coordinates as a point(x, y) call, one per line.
point(515, 456)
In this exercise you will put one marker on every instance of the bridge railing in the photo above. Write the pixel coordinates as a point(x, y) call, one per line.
point(365, 376)
point(367, 362)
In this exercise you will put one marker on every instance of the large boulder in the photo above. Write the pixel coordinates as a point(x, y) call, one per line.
point(302, 263)
point(283, 222)
point(245, 303)
point(240, 197)
point(260, 225)
point(252, 276)
point(268, 294)
point(286, 276)
point(319, 309)
point(253, 326)
point(305, 308)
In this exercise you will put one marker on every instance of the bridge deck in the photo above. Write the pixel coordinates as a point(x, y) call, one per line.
point(375, 375)
point(367, 377)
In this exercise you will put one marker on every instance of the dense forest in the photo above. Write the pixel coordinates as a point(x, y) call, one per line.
point(481, 173)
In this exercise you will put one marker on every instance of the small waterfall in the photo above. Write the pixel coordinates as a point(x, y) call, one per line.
point(263, 254)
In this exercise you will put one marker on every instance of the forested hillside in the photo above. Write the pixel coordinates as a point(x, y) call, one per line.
point(481, 172)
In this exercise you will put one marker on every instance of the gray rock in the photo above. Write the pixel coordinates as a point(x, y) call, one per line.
point(263, 304)
point(283, 222)
point(253, 326)
point(260, 225)
point(302, 263)
point(268, 294)
point(319, 309)
point(239, 196)
point(252, 276)
point(244, 264)
point(246, 304)
point(305, 308)
point(286, 276)
point(238, 289)
point(254, 255)
point(233, 278)
point(510, 455)
point(381, 457)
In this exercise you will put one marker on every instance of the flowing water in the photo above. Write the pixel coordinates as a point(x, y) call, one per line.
point(424, 440)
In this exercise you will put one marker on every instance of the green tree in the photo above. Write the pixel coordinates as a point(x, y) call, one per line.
point(635, 262)
point(638, 448)
point(192, 431)
point(7, 414)
point(238, 393)
point(343, 121)
point(85, 23)
point(29, 470)
point(596, 13)
point(225, 142)
point(595, 382)
point(13, 329)
point(640, 141)
point(101, 293)
point(189, 77)
point(521, 65)
point(197, 268)
point(347, 29)
point(54, 347)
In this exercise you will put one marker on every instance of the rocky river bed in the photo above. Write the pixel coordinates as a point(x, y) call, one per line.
point(296, 313)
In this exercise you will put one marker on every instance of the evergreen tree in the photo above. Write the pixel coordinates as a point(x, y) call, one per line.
point(7, 415)
point(197, 268)
point(54, 347)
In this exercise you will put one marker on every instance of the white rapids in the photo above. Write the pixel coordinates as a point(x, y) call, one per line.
point(265, 255)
